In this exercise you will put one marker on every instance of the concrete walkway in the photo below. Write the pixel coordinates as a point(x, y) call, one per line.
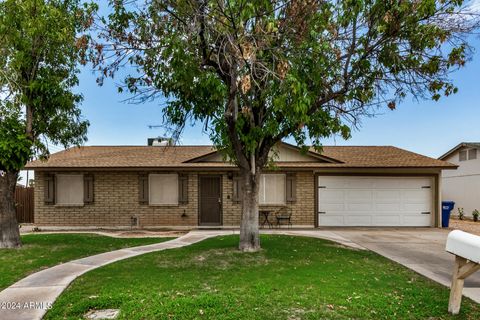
point(420, 249)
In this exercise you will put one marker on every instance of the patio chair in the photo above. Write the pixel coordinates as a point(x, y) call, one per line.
point(283, 216)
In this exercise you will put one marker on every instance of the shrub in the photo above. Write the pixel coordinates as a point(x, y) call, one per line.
point(475, 215)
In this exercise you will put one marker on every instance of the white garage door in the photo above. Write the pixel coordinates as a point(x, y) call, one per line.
point(374, 201)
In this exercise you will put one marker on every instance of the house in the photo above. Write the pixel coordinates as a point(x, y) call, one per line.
point(191, 186)
point(463, 185)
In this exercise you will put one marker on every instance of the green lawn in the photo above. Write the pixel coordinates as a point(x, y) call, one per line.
point(40, 251)
point(291, 278)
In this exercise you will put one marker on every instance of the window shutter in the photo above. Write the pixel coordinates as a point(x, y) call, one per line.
point(88, 188)
point(49, 191)
point(183, 189)
point(291, 187)
point(237, 189)
point(143, 189)
point(472, 154)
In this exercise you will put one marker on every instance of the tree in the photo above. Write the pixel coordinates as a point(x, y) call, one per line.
point(39, 56)
point(257, 72)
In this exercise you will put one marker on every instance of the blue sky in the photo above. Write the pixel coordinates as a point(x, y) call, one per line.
point(426, 127)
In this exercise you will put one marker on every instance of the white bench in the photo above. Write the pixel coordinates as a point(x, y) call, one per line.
point(466, 248)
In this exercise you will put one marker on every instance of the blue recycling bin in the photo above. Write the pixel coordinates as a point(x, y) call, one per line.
point(447, 207)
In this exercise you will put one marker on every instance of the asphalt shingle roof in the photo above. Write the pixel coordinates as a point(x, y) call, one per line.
point(125, 157)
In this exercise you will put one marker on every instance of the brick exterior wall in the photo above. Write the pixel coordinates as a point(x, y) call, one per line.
point(116, 201)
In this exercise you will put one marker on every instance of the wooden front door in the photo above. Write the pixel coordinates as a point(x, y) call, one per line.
point(210, 198)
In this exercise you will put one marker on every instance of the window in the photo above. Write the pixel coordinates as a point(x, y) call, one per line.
point(163, 189)
point(272, 189)
point(69, 189)
point(472, 154)
point(462, 156)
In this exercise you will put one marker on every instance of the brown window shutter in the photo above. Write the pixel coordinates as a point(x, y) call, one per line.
point(143, 189)
point(183, 189)
point(291, 187)
point(237, 189)
point(88, 188)
point(49, 191)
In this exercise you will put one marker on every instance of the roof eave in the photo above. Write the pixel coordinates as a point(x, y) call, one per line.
point(231, 167)
point(451, 151)
point(288, 145)
point(197, 159)
point(458, 146)
point(313, 154)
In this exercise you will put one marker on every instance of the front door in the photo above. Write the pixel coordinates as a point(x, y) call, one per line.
point(210, 205)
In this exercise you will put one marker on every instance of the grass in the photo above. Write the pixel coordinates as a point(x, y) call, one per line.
point(40, 251)
point(291, 278)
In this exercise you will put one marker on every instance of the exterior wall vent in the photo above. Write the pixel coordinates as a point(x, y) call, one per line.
point(134, 221)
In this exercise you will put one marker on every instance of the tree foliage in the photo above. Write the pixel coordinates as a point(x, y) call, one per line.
point(257, 72)
point(40, 51)
point(15, 147)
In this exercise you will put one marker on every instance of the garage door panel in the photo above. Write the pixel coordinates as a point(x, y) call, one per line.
point(374, 201)
point(331, 220)
point(416, 207)
point(414, 183)
point(419, 202)
point(357, 220)
point(387, 184)
point(416, 195)
point(417, 220)
point(332, 207)
point(386, 220)
point(358, 184)
point(333, 183)
point(388, 207)
point(386, 196)
point(359, 195)
point(353, 207)
point(332, 195)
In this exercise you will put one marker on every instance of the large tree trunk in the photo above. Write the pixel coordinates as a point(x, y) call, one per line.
point(249, 231)
point(9, 232)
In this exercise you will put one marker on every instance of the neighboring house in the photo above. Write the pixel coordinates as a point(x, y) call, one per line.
point(191, 186)
point(463, 185)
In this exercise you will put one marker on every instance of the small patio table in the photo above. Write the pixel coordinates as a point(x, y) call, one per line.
point(266, 214)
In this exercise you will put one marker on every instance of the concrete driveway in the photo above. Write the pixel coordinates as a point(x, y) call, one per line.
point(420, 249)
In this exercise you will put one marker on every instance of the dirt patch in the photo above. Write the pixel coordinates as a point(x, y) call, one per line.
point(296, 313)
point(221, 259)
point(102, 314)
point(119, 233)
point(225, 258)
point(150, 234)
point(465, 225)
